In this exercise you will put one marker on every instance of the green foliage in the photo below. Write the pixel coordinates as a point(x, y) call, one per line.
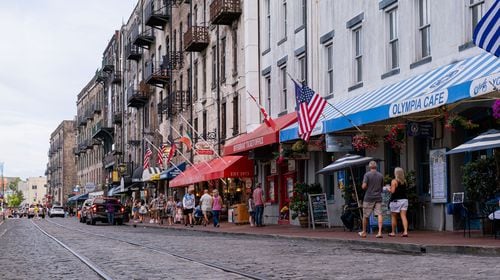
point(299, 147)
point(15, 199)
point(479, 179)
point(13, 184)
point(299, 203)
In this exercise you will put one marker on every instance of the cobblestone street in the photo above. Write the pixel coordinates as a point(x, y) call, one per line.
point(23, 245)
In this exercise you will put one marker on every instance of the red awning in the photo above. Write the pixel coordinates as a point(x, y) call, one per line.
point(225, 167)
point(262, 136)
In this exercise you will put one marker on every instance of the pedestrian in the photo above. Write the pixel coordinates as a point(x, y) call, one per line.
point(178, 212)
point(154, 210)
point(399, 201)
point(188, 202)
point(110, 212)
point(259, 205)
point(216, 207)
point(135, 210)
point(160, 206)
point(251, 211)
point(36, 210)
point(170, 210)
point(373, 182)
point(206, 206)
point(143, 210)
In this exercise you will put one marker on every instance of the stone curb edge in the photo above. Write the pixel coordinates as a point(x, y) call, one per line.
point(411, 248)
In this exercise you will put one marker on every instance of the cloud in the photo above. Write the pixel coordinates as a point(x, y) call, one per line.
point(54, 49)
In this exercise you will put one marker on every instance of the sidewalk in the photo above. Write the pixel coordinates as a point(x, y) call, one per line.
point(418, 241)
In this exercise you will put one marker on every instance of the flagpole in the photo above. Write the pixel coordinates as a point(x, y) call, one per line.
point(204, 141)
point(335, 108)
point(168, 141)
point(158, 150)
point(181, 136)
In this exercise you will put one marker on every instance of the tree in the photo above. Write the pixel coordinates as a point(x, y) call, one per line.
point(15, 199)
point(14, 184)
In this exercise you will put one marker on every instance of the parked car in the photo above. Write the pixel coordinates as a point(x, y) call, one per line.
point(31, 211)
point(97, 211)
point(85, 209)
point(56, 211)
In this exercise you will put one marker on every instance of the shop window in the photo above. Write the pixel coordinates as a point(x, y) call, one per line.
point(422, 147)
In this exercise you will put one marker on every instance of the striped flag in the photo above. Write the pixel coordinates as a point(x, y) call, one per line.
point(309, 108)
point(161, 154)
point(147, 156)
point(267, 119)
point(487, 30)
point(171, 153)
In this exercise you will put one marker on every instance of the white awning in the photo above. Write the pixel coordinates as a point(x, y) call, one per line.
point(151, 174)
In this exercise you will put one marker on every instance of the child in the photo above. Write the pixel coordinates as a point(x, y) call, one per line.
point(198, 215)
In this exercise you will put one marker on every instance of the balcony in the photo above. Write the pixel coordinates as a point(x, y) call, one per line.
point(76, 151)
point(133, 52)
point(89, 113)
point(196, 39)
point(143, 39)
point(117, 118)
point(224, 12)
point(108, 160)
point(102, 132)
point(116, 77)
point(108, 65)
point(181, 100)
point(101, 76)
point(137, 98)
point(89, 144)
point(173, 61)
point(156, 74)
point(157, 17)
point(163, 107)
point(97, 108)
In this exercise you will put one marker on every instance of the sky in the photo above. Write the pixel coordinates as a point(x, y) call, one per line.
point(49, 50)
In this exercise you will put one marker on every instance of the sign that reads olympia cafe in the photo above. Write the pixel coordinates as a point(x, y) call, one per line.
point(418, 104)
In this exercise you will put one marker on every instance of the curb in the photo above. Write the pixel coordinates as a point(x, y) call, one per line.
point(410, 248)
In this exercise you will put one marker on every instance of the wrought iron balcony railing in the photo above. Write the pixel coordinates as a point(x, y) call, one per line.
point(224, 12)
point(196, 39)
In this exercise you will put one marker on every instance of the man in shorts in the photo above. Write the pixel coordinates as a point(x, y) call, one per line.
point(373, 182)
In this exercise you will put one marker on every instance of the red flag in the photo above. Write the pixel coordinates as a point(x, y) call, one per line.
point(147, 156)
point(309, 108)
point(267, 119)
point(171, 153)
point(187, 141)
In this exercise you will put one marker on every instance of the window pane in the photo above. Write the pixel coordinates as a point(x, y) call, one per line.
point(330, 57)
point(359, 71)
point(426, 45)
point(394, 54)
point(330, 81)
point(477, 13)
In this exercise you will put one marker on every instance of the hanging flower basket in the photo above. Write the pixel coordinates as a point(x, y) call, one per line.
point(496, 110)
point(395, 136)
point(364, 141)
point(452, 121)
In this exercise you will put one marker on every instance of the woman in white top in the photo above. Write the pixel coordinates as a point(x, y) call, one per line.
point(206, 206)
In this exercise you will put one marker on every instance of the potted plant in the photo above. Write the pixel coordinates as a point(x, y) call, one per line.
point(395, 136)
point(299, 202)
point(364, 141)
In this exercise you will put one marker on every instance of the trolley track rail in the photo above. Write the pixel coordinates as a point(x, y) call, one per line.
point(165, 252)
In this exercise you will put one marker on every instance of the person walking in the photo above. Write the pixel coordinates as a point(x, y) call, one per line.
point(160, 209)
point(259, 205)
point(153, 210)
point(143, 210)
point(216, 207)
point(373, 182)
point(399, 201)
point(110, 212)
point(251, 211)
point(170, 210)
point(206, 206)
point(188, 203)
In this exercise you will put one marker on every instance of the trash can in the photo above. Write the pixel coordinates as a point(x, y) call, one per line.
point(240, 213)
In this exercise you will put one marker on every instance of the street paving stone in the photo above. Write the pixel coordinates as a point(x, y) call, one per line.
point(269, 257)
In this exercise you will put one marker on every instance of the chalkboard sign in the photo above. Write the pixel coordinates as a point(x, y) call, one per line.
point(318, 209)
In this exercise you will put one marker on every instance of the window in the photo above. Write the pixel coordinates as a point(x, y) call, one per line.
point(235, 52)
point(174, 39)
point(301, 68)
point(33, 187)
point(393, 48)
point(195, 16)
point(204, 77)
point(283, 90)
point(223, 121)
point(329, 68)
point(283, 27)
point(301, 12)
point(236, 115)
point(180, 36)
point(195, 126)
point(424, 29)
point(268, 94)
point(268, 24)
point(195, 80)
point(214, 66)
point(204, 134)
point(146, 116)
point(358, 55)
point(475, 12)
point(223, 60)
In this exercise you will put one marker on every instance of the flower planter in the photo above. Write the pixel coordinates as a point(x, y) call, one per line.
point(303, 221)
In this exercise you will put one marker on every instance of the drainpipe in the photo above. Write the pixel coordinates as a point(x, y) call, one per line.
point(218, 91)
point(190, 79)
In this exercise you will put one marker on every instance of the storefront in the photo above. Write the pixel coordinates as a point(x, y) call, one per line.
point(167, 175)
point(412, 123)
point(274, 173)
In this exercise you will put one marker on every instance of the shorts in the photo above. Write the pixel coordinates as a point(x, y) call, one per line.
point(188, 211)
point(399, 205)
point(207, 212)
point(369, 207)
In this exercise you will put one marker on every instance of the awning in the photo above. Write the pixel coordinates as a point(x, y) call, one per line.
point(261, 136)
point(137, 175)
point(448, 84)
point(225, 167)
point(151, 174)
point(487, 140)
point(114, 191)
point(79, 197)
point(173, 171)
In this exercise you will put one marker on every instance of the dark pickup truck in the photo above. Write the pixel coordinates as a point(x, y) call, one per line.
point(97, 211)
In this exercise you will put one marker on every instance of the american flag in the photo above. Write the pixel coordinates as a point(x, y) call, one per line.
point(161, 153)
point(147, 156)
point(486, 34)
point(267, 119)
point(309, 108)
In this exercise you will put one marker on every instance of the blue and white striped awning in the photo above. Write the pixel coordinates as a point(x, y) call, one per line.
point(448, 84)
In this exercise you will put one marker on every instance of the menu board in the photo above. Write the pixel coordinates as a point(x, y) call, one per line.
point(438, 174)
point(318, 209)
